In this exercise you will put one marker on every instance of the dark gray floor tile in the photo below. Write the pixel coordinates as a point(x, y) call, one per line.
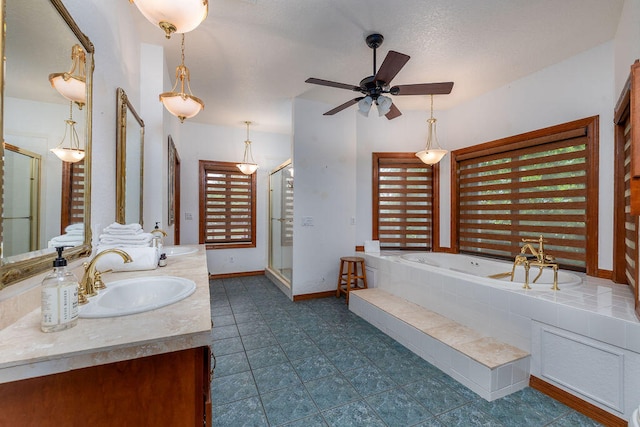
point(222, 332)
point(251, 342)
point(224, 320)
point(300, 349)
point(275, 377)
point(469, 415)
point(227, 346)
point(435, 396)
point(289, 404)
point(331, 391)
point(397, 408)
point(231, 364)
point(354, 414)
point(266, 356)
point(348, 358)
point(369, 380)
point(574, 418)
point(313, 367)
point(245, 412)
point(312, 421)
point(232, 387)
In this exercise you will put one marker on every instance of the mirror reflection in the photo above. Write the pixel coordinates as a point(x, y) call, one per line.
point(43, 196)
point(129, 163)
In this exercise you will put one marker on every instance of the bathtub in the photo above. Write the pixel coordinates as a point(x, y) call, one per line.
point(483, 268)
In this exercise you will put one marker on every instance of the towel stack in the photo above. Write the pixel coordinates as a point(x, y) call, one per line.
point(73, 236)
point(131, 239)
point(124, 235)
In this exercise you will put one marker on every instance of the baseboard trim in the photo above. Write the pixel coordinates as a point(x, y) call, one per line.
point(584, 407)
point(241, 274)
point(315, 295)
point(604, 274)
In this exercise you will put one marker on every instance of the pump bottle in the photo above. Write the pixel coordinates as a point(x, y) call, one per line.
point(59, 297)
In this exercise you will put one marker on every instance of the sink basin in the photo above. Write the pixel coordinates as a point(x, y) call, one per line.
point(178, 250)
point(129, 296)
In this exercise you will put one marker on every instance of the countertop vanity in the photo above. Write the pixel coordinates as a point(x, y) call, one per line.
point(150, 368)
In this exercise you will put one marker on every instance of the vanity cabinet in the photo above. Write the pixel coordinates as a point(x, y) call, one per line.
point(171, 389)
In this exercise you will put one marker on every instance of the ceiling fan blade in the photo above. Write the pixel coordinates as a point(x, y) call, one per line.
point(332, 84)
point(343, 106)
point(423, 89)
point(393, 112)
point(392, 64)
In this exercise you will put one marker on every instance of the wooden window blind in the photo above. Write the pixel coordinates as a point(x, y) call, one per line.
point(286, 237)
point(72, 204)
point(627, 185)
point(403, 194)
point(227, 206)
point(531, 186)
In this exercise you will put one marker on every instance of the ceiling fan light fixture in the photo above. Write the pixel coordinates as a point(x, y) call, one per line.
point(247, 167)
point(364, 105)
point(73, 153)
point(384, 105)
point(173, 16)
point(180, 104)
point(72, 84)
point(432, 153)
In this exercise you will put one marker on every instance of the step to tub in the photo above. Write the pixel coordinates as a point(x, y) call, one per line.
point(490, 368)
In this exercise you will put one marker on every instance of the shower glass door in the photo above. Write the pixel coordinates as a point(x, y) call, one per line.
point(281, 221)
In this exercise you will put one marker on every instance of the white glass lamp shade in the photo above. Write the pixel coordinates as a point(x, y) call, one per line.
point(432, 156)
point(364, 105)
point(70, 155)
point(181, 105)
point(247, 168)
point(174, 16)
point(384, 105)
point(71, 87)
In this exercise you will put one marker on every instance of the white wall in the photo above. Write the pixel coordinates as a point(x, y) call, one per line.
point(627, 47)
point(222, 143)
point(325, 192)
point(578, 87)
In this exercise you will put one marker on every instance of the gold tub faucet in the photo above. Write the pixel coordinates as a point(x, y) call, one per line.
point(541, 261)
point(91, 276)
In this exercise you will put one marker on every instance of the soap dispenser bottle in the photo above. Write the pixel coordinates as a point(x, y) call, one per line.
point(59, 297)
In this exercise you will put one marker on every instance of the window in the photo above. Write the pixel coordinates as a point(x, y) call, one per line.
point(72, 203)
point(403, 201)
point(227, 206)
point(540, 183)
point(627, 185)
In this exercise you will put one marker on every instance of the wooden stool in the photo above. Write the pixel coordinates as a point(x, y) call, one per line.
point(348, 280)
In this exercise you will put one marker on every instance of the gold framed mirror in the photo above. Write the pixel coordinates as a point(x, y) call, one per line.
point(39, 41)
point(129, 161)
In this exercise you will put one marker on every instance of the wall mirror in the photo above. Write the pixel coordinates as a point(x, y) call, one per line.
point(129, 161)
point(45, 201)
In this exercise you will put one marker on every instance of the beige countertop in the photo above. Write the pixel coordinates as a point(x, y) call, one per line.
point(27, 352)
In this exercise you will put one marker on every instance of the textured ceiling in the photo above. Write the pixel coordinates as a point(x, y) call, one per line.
point(250, 58)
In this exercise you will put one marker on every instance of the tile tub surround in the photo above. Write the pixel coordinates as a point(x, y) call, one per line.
point(26, 352)
point(332, 368)
point(490, 368)
point(596, 310)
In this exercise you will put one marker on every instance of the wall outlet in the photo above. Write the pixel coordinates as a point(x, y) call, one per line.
point(188, 216)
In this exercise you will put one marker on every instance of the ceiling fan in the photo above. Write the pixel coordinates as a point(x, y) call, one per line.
point(374, 87)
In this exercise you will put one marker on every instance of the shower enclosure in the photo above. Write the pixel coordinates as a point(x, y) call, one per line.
point(281, 223)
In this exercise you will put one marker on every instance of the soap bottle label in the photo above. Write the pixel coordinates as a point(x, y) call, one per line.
point(49, 306)
point(68, 302)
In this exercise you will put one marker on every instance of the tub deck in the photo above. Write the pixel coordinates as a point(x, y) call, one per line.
point(490, 368)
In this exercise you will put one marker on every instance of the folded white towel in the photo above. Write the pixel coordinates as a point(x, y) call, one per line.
point(134, 238)
point(72, 227)
point(66, 240)
point(127, 232)
point(143, 259)
point(74, 233)
point(120, 227)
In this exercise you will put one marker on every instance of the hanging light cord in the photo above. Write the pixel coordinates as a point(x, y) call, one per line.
point(247, 147)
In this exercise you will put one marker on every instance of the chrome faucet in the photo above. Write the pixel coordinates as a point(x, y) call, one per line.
point(92, 278)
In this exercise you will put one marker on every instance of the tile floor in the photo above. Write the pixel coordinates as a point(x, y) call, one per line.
point(314, 363)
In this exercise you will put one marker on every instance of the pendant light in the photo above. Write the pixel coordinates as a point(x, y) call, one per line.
point(247, 167)
point(181, 104)
point(73, 153)
point(72, 86)
point(432, 153)
point(174, 16)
